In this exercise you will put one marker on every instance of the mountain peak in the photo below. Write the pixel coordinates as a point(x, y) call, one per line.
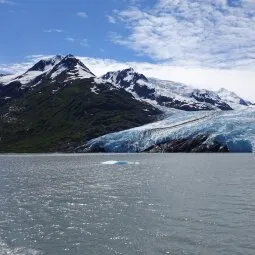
point(45, 64)
point(69, 56)
point(72, 67)
point(130, 69)
point(124, 77)
point(231, 97)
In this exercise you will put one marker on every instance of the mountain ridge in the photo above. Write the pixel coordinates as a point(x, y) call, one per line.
point(59, 104)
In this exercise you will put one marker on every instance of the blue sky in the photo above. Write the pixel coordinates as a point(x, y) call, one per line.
point(79, 27)
point(181, 40)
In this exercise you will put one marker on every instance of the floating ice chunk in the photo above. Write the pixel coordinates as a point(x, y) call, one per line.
point(114, 162)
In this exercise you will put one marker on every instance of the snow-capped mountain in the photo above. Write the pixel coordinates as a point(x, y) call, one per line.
point(56, 69)
point(60, 105)
point(165, 93)
point(160, 93)
point(70, 68)
point(33, 74)
point(232, 98)
point(51, 68)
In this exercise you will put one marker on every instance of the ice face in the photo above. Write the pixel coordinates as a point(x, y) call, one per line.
point(235, 129)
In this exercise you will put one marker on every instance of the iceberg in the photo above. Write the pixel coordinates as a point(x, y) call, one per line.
point(113, 162)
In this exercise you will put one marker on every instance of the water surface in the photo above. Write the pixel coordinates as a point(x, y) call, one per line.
point(152, 204)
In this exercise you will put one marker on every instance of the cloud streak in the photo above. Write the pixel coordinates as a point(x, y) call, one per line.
point(7, 2)
point(53, 31)
point(201, 33)
point(83, 15)
point(70, 39)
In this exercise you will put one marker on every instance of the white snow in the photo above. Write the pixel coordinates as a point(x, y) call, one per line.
point(129, 77)
point(60, 70)
point(94, 90)
point(231, 98)
point(79, 73)
point(55, 90)
point(8, 78)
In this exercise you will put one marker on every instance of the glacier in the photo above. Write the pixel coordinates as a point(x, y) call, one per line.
point(234, 129)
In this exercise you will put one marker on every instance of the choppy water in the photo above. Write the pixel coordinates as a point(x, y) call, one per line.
point(161, 204)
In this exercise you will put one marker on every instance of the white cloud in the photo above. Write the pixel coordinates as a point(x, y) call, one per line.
point(83, 15)
point(111, 19)
point(200, 33)
point(70, 39)
point(53, 31)
point(7, 2)
point(238, 80)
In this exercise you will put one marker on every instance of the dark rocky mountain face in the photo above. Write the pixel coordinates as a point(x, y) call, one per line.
point(243, 102)
point(204, 96)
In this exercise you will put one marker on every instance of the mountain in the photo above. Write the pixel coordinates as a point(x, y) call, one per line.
point(59, 104)
point(33, 74)
point(232, 98)
point(165, 93)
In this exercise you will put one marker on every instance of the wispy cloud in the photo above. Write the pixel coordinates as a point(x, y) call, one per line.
point(208, 33)
point(237, 80)
point(83, 15)
point(85, 43)
point(7, 2)
point(53, 31)
point(111, 19)
point(70, 39)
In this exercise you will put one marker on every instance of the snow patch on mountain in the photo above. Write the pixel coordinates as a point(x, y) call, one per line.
point(79, 73)
point(94, 90)
point(60, 70)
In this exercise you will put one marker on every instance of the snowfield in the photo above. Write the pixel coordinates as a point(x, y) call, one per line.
point(235, 129)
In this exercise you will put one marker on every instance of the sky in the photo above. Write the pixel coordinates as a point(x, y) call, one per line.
point(203, 43)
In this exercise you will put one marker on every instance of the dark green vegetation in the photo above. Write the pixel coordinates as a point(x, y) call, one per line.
point(59, 116)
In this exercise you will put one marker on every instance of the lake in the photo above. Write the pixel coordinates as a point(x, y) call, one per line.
point(145, 204)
